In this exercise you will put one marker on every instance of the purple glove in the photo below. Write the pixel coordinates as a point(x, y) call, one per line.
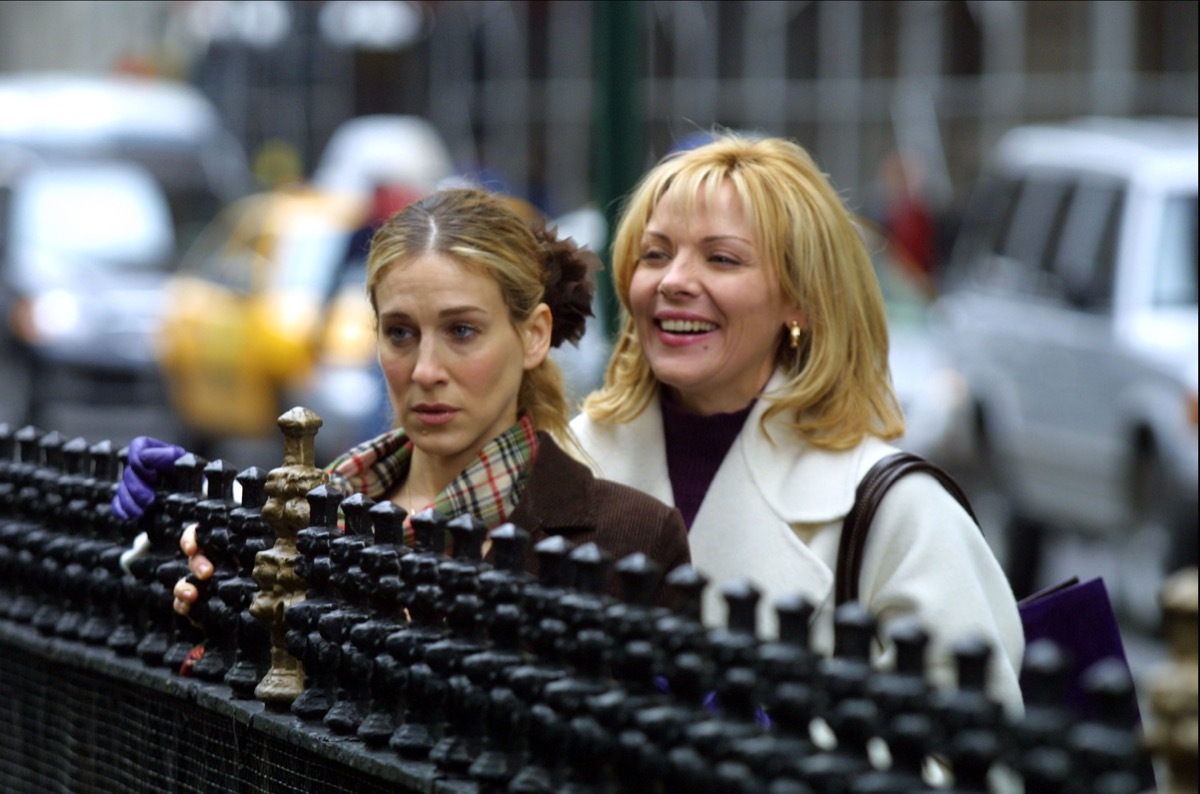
point(148, 459)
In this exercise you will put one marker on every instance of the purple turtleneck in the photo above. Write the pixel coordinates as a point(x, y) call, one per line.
point(696, 445)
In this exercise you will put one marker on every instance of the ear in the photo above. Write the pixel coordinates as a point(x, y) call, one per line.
point(795, 315)
point(535, 333)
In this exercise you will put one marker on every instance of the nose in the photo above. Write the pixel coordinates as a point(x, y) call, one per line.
point(679, 277)
point(428, 370)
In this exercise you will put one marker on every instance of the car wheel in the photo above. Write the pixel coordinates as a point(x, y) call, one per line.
point(1016, 540)
point(1156, 503)
point(988, 466)
point(1150, 485)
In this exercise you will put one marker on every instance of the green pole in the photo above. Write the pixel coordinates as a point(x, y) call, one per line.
point(617, 140)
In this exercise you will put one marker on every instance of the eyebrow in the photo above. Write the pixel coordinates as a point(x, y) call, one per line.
point(712, 238)
point(448, 313)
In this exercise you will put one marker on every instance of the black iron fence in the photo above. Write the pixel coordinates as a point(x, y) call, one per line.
point(326, 654)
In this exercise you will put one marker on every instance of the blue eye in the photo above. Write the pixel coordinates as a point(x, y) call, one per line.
point(397, 333)
point(462, 331)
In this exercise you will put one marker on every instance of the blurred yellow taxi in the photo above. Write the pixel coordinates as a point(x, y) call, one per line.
point(245, 316)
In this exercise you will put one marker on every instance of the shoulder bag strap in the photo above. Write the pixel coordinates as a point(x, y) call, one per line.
point(867, 496)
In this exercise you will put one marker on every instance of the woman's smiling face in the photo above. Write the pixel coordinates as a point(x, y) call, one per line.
point(708, 310)
point(451, 355)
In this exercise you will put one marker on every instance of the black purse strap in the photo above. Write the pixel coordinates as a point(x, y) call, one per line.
point(867, 496)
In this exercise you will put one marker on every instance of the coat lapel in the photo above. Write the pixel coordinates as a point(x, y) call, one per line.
point(765, 488)
point(737, 535)
point(633, 453)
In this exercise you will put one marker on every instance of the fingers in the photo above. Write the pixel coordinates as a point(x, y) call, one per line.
point(187, 541)
point(185, 596)
point(137, 489)
point(161, 459)
point(141, 444)
point(125, 505)
point(200, 566)
point(186, 593)
point(119, 508)
point(148, 458)
point(137, 450)
point(132, 497)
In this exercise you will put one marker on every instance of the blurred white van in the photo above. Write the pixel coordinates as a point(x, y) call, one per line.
point(103, 181)
point(1069, 306)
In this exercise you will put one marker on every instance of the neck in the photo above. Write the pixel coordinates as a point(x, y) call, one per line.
point(702, 406)
point(427, 477)
point(719, 401)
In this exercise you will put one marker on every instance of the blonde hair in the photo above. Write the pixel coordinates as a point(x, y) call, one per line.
point(484, 233)
point(838, 386)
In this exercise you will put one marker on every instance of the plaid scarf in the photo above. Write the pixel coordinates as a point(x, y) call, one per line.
point(488, 489)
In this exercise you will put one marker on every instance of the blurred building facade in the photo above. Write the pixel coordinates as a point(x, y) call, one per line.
point(528, 93)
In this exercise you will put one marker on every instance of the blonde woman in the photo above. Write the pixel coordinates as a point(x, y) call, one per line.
point(749, 387)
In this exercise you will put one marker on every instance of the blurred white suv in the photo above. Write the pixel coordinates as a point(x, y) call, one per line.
point(104, 179)
point(1069, 306)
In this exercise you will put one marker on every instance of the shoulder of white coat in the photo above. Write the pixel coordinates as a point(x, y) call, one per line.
point(921, 495)
point(586, 429)
point(598, 440)
point(803, 483)
point(633, 452)
point(590, 436)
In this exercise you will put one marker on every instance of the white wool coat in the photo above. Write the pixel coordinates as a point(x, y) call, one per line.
point(773, 514)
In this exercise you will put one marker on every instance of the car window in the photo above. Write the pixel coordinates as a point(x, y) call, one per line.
point(191, 208)
point(225, 253)
point(1175, 270)
point(308, 253)
point(999, 210)
point(1036, 224)
point(1085, 253)
point(111, 216)
point(195, 191)
point(984, 226)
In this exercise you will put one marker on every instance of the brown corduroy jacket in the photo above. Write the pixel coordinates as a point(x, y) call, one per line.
point(564, 498)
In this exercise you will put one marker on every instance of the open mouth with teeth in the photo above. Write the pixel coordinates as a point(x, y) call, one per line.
point(686, 326)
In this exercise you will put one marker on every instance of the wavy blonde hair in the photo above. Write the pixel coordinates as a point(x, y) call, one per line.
point(484, 233)
point(839, 386)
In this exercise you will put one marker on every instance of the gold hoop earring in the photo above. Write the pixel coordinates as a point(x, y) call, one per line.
point(794, 331)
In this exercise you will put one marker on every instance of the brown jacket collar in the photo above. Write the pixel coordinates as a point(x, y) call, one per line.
point(557, 500)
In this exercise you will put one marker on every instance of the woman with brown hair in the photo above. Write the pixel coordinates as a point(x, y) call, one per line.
point(468, 300)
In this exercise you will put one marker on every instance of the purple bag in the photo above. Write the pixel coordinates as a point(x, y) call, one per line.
point(1079, 618)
